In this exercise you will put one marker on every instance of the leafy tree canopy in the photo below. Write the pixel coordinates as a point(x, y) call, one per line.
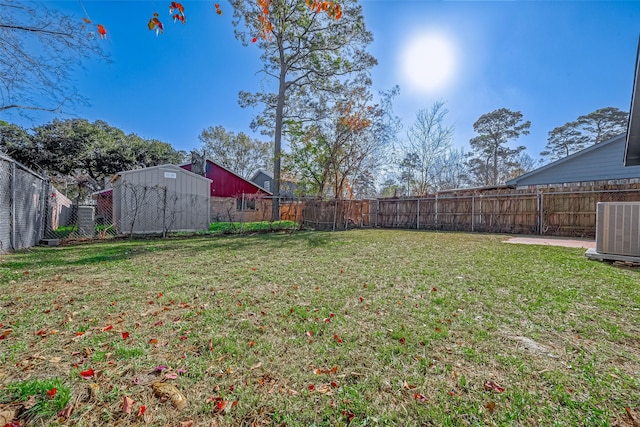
point(77, 147)
point(492, 161)
point(237, 152)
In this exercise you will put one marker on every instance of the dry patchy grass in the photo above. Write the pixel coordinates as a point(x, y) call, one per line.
point(366, 327)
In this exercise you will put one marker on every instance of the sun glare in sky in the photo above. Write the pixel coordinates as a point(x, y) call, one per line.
point(428, 62)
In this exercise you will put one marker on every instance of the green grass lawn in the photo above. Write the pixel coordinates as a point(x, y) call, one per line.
point(360, 328)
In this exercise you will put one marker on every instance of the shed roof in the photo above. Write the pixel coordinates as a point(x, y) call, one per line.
point(163, 167)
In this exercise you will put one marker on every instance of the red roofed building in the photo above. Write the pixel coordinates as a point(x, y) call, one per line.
point(234, 198)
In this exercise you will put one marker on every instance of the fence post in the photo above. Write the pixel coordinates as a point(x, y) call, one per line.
point(473, 212)
point(377, 210)
point(541, 212)
point(335, 213)
point(436, 215)
point(418, 215)
point(397, 221)
point(12, 183)
point(242, 212)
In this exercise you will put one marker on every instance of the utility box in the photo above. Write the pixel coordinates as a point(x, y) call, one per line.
point(86, 221)
point(618, 228)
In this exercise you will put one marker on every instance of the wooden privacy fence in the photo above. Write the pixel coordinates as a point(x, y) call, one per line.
point(552, 211)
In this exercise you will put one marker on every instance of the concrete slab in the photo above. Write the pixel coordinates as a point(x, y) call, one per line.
point(593, 254)
point(553, 241)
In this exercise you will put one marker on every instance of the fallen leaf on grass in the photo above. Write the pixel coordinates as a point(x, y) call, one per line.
point(256, 366)
point(141, 410)
point(6, 417)
point(350, 416)
point(93, 390)
point(408, 386)
point(4, 334)
point(66, 412)
point(420, 397)
point(87, 374)
point(168, 391)
point(127, 404)
point(492, 386)
point(107, 328)
point(186, 423)
point(171, 376)
point(491, 406)
point(125, 335)
point(52, 392)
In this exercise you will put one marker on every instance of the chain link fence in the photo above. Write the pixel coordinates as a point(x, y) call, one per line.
point(23, 205)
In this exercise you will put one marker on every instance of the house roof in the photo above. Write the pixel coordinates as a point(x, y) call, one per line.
point(632, 147)
point(598, 162)
point(260, 171)
point(231, 172)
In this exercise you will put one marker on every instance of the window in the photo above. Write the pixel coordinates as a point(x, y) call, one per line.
point(267, 185)
point(249, 204)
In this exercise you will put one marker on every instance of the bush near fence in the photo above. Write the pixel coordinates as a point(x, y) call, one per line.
point(556, 211)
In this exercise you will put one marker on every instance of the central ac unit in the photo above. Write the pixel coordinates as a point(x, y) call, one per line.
point(618, 228)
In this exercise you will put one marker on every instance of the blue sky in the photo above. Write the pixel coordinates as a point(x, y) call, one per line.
point(553, 61)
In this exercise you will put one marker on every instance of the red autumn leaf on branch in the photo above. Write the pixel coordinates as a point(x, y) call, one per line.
point(52, 392)
point(177, 6)
point(102, 32)
point(155, 24)
point(86, 20)
point(218, 10)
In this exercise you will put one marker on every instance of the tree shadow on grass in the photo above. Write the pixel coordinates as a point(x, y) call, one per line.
point(88, 253)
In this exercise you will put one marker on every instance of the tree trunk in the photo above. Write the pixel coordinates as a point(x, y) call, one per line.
point(277, 143)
